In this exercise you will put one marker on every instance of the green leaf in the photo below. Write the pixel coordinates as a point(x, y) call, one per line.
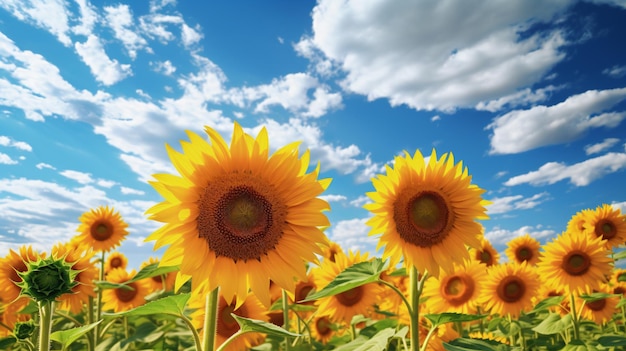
point(619, 256)
point(253, 325)
point(153, 270)
point(578, 345)
point(596, 296)
point(547, 303)
point(612, 340)
point(378, 342)
point(6, 342)
point(354, 276)
point(352, 345)
point(173, 305)
point(447, 317)
point(465, 344)
point(145, 332)
point(102, 284)
point(553, 324)
point(68, 336)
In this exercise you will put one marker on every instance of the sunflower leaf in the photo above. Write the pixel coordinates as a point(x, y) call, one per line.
point(253, 325)
point(378, 342)
point(547, 303)
point(354, 276)
point(447, 317)
point(102, 284)
point(553, 324)
point(153, 270)
point(620, 255)
point(172, 305)
point(612, 340)
point(596, 296)
point(464, 344)
point(68, 336)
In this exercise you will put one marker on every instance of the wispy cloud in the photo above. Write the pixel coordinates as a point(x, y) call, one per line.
point(105, 70)
point(601, 146)
point(516, 202)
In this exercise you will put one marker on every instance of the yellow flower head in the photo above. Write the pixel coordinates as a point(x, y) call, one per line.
point(10, 265)
point(121, 299)
point(523, 248)
point(607, 223)
point(426, 212)
point(237, 212)
point(114, 260)
point(510, 288)
point(81, 261)
point(456, 291)
point(101, 229)
point(485, 253)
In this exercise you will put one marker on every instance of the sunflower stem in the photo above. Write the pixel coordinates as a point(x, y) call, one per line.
point(417, 285)
point(46, 308)
point(574, 316)
point(286, 316)
point(194, 332)
point(99, 302)
point(231, 339)
point(432, 330)
point(90, 319)
point(402, 296)
point(210, 320)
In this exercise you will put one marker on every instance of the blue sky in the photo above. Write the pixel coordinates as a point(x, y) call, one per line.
point(530, 95)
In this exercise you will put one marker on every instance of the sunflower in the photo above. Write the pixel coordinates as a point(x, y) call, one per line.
point(426, 212)
point(485, 253)
point(523, 248)
point(101, 229)
point(607, 223)
point(10, 265)
point(443, 333)
point(599, 311)
point(114, 260)
point(322, 329)
point(9, 315)
point(121, 299)
point(546, 291)
point(156, 283)
point(332, 250)
point(575, 262)
point(576, 223)
point(251, 308)
point(457, 291)
point(618, 276)
point(509, 288)
point(80, 261)
point(488, 336)
point(236, 212)
point(345, 305)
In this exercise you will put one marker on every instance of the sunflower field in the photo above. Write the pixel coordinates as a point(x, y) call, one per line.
point(247, 266)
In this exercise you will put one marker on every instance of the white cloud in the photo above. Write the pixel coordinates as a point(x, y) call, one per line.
point(155, 26)
point(360, 201)
point(620, 206)
point(120, 19)
point(333, 197)
point(80, 177)
point(601, 146)
point(130, 191)
point(352, 235)
point(579, 174)
point(522, 130)
point(520, 98)
point(189, 35)
point(106, 183)
point(166, 67)
point(6, 159)
point(6, 141)
point(435, 118)
point(615, 71)
point(516, 202)
point(44, 165)
point(51, 15)
point(500, 236)
point(427, 54)
point(106, 70)
point(88, 18)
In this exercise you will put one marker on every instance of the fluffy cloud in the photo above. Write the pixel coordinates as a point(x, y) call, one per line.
point(522, 130)
point(6, 141)
point(516, 202)
point(51, 15)
point(6, 159)
point(427, 55)
point(500, 236)
point(80, 177)
point(120, 19)
point(601, 146)
point(106, 70)
point(352, 235)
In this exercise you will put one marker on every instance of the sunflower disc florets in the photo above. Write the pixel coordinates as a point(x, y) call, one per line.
point(47, 279)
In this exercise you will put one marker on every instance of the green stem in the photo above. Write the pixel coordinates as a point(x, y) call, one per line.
point(432, 330)
point(230, 339)
point(125, 323)
point(624, 317)
point(286, 316)
point(92, 337)
point(99, 302)
point(210, 320)
point(46, 309)
point(400, 293)
point(416, 288)
point(574, 316)
point(194, 332)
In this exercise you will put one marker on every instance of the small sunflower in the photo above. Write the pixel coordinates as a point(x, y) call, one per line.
point(618, 276)
point(114, 260)
point(608, 223)
point(457, 291)
point(236, 210)
point(81, 261)
point(332, 250)
point(488, 336)
point(101, 229)
point(322, 329)
point(121, 299)
point(9, 315)
point(485, 253)
point(576, 223)
point(426, 212)
point(156, 283)
point(251, 308)
point(509, 289)
point(599, 311)
point(10, 265)
point(523, 248)
point(344, 306)
point(575, 262)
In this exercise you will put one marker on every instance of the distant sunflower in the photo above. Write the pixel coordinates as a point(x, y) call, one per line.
point(12, 263)
point(342, 307)
point(121, 299)
point(488, 336)
point(251, 308)
point(81, 261)
point(577, 221)
point(426, 212)
point(485, 253)
point(235, 210)
point(159, 282)
point(607, 223)
point(618, 276)
point(9, 315)
point(575, 262)
point(101, 229)
point(322, 329)
point(599, 311)
point(509, 289)
point(332, 250)
point(523, 248)
point(114, 260)
point(456, 291)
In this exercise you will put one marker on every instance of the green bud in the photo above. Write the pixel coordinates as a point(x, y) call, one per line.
point(24, 330)
point(47, 279)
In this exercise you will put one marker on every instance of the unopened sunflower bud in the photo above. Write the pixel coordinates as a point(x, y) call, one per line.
point(24, 330)
point(47, 279)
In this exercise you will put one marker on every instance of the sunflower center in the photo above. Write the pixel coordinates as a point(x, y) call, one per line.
point(606, 229)
point(101, 230)
point(226, 324)
point(322, 325)
point(597, 305)
point(619, 290)
point(240, 217)
point(485, 257)
point(116, 262)
point(423, 219)
point(457, 289)
point(126, 295)
point(351, 297)
point(511, 289)
point(302, 291)
point(524, 254)
point(576, 263)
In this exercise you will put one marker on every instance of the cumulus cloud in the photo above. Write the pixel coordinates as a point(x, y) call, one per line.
point(21, 145)
point(120, 19)
point(44, 165)
point(522, 130)
point(579, 174)
point(80, 177)
point(166, 67)
point(88, 18)
point(516, 202)
point(51, 15)
point(106, 70)
point(601, 146)
point(426, 55)
point(130, 191)
point(6, 159)
point(333, 197)
point(501, 236)
point(352, 234)
point(519, 98)
point(190, 36)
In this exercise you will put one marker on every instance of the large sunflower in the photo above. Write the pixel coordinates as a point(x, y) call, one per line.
point(510, 288)
point(523, 248)
point(234, 212)
point(101, 229)
point(121, 299)
point(81, 261)
point(426, 212)
point(456, 291)
point(575, 262)
point(10, 265)
point(607, 223)
point(343, 306)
